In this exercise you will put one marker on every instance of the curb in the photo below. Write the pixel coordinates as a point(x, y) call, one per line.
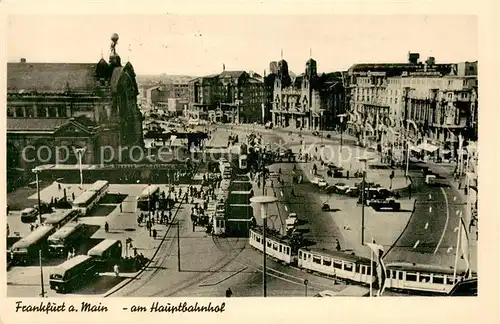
point(130, 279)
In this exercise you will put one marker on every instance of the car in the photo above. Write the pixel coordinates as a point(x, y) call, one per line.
point(380, 204)
point(322, 183)
point(352, 191)
point(291, 221)
point(315, 180)
point(341, 187)
point(330, 190)
point(292, 215)
point(315, 133)
point(29, 215)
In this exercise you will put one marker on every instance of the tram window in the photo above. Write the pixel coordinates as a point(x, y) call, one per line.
point(287, 250)
point(425, 278)
point(411, 277)
point(327, 262)
point(400, 275)
point(281, 247)
point(449, 280)
point(437, 279)
point(275, 247)
point(347, 266)
point(300, 254)
point(357, 268)
point(268, 244)
point(363, 270)
point(337, 264)
point(388, 274)
point(317, 260)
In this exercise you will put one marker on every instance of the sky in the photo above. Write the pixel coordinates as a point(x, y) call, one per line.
point(197, 45)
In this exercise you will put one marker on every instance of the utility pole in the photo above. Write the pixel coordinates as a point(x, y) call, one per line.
point(178, 246)
point(38, 195)
point(149, 208)
point(41, 274)
point(365, 161)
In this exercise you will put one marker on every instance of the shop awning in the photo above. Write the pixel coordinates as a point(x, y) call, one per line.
point(415, 148)
point(428, 147)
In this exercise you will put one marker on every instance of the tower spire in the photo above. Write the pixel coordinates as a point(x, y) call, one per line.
point(282, 53)
point(310, 52)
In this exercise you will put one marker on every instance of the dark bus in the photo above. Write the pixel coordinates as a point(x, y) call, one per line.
point(148, 197)
point(26, 249)
point(106, 254)
point(73, 273)
point(66, 238)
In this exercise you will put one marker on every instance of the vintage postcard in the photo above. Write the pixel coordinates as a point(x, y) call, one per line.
point(163, 164)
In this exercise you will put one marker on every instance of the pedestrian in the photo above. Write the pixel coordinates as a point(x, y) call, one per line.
point(73, 253)
point(338, 247)
point(73, 195)
point(116, 270)
point(229, 292)
point(135, 252)
point(69, 255)
point(154, 233)
point(31, 228)
point(121, 208)
point(409, 191)
point(106, 227)
point(194, 226)
point(58, 186)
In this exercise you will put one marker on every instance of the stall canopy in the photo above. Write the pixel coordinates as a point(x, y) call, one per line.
point(415, 148)
point(428, 147)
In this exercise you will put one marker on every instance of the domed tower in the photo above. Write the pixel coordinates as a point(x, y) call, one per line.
point(102, 69)
point(311, 69)
point(114, 58)
point(283, 74)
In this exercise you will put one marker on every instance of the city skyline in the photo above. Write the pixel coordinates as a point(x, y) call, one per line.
point(201, 45)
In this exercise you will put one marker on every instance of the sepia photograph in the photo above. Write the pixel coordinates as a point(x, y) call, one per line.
point(229, 156)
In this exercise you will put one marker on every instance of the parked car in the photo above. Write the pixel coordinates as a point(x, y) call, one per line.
point(322, 183)
point(29, 215)
point(341, 187)
point(352, 191)
point(380, 204)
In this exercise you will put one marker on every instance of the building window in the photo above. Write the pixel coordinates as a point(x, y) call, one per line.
point(10, 112)
point(30, 112)
point(41, 112)
point(61, 110)
point(395, 100)
point(20, 112)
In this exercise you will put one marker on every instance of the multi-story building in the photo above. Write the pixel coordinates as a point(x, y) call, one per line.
point(231, 96)
point(72, 105)
point(434, 102)
point(308, 101)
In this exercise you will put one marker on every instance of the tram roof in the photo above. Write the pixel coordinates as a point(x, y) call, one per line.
point(406, 266)
point(338, 255)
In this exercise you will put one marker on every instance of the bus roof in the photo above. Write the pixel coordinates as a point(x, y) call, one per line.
point(98, 185)
point(337, 255)
point(65, 231)
point(84, 197)
point(149, 189)
point(34, 236)
point(104, 245)
point(59, 215)
point(72, 262)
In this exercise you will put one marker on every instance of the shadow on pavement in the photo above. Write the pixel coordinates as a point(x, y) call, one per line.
point(101, 211)
point(101, 285)
point(113, 199)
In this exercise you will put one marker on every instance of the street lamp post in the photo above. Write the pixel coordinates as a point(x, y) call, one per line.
point(341, 127)
point(79, 152)
point(263, 202)
point(36, 171)
point(42, 293)
point(365, 162)
point(149, 208)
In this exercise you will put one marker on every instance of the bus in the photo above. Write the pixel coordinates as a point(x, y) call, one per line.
point(74, 272)
point(106, 254)
point(101, 187)
point(148, 197)
point(61, 217)
point(65, 239)
point(86, 201)
point(26, 249)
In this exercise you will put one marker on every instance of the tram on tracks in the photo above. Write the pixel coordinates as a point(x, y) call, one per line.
point(411, 277)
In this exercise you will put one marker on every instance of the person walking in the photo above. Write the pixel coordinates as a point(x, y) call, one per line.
point(116, 270)
point(229, 293)
point(154, 233)
point(106, 227)
point(121, 208)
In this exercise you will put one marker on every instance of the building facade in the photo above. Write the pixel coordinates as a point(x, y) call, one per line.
point(430, 102)
point(231, 96)
point(309, 101)
point(70, 105)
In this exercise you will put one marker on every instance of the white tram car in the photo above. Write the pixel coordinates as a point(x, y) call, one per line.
point(275, 247)
point(337, 264)
point(399, 276)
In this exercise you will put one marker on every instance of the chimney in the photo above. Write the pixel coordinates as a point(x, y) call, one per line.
point(413, 58)
point(430, 60)
point(23, 60)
